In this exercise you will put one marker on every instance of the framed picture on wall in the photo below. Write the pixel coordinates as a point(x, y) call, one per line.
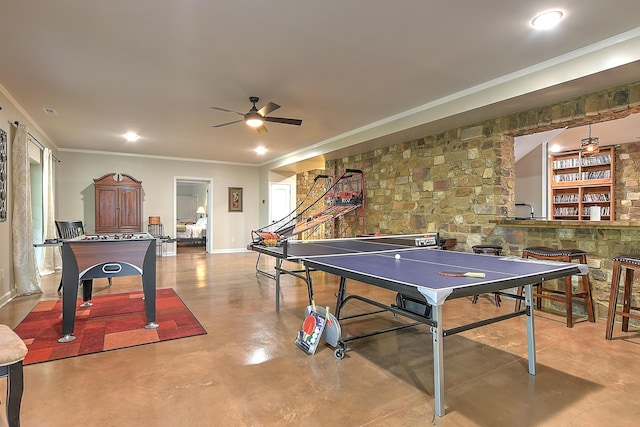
point(235, 199)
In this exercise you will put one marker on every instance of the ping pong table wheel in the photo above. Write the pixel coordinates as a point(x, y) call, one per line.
point(340, 350)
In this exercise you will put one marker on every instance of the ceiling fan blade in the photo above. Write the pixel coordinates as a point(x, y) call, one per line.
point(270, 107)
point(261, 130)
point(226, 110)
point(228, 123)
point(295, 122)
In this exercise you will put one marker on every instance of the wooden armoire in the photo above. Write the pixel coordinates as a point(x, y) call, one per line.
point(118, 204)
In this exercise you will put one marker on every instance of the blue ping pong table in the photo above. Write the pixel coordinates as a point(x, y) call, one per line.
point(294, 251)
point(416, 275)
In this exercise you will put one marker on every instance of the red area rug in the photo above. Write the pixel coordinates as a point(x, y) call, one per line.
point(113, 322)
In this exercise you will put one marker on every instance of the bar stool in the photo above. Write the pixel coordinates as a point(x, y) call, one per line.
point(447, 244)
point(488, 250)
point(629, 263)
point(566, 295)
point(12, 351)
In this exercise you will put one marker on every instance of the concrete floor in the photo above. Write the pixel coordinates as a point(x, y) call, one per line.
point(247, 370)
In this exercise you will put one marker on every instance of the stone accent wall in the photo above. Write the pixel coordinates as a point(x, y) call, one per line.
point(306, 191)
point(437, 183)
point(628, 181)
point(457, 181)
point(457, 176)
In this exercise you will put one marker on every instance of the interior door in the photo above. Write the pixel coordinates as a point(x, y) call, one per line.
point(280, 205)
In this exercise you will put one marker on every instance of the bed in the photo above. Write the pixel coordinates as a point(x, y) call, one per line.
point(189, 232)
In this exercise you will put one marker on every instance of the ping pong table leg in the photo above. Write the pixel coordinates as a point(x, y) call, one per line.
point(309, 284)
point(278, 266)
point(438, 359)
point(531, 342)
point(340, 296)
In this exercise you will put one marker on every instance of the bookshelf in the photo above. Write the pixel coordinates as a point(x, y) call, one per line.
point(580, 182)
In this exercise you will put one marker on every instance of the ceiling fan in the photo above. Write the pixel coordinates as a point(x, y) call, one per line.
point(256, 118)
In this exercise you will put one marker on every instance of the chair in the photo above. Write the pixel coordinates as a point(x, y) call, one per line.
point(566, 295)
point(70, 230)
point(488, 250)
point(447, 244)
point(629, 263)
point(12, 352)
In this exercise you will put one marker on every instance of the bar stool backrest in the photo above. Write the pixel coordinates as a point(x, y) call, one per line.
point(69, 229)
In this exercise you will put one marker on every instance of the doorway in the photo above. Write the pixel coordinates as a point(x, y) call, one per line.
point(192, 212)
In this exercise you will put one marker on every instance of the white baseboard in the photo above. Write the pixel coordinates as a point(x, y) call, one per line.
point(229, 251)
point(215, 251)
point(5, 298)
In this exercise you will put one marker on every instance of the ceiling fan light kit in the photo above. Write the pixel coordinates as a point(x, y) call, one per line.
point(255, 118)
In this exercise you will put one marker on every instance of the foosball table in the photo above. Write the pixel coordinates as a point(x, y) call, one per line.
point(89, 257)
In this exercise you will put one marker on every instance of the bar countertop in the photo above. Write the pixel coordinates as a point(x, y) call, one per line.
point(604, 225)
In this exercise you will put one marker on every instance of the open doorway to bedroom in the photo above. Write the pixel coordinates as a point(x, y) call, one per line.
point(193, 223)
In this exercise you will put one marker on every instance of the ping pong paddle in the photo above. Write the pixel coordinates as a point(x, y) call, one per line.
point(309, 324)
point(461, 274)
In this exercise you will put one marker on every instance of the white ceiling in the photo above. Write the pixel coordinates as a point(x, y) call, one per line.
point(357, 72)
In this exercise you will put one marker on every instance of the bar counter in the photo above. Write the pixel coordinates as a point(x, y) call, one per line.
point(543, 223)
point(602, 240)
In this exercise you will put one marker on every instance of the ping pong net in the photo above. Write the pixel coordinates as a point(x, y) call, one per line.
point(299, 249)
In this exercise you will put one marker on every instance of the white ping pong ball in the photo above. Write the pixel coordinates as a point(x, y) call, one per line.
point(397, 256)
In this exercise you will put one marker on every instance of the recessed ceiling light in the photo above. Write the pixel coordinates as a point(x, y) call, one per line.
point(50, 111)
point(261, 150)
point(547, 20)
point(131, 136)
point(556, 148)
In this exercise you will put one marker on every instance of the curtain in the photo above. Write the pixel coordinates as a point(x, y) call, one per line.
point(24, 256)
point(50, 259)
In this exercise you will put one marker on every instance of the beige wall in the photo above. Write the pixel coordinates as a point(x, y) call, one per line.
point(231, 230)
point(75, 193)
